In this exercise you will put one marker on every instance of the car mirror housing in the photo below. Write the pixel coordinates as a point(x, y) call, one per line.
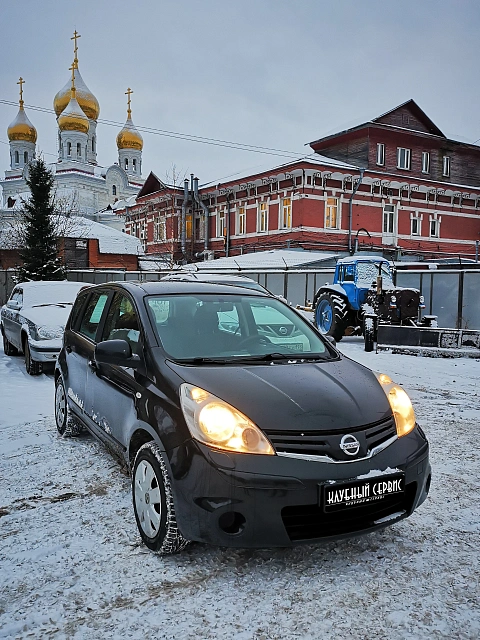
point(116, 352)
point(13, 304)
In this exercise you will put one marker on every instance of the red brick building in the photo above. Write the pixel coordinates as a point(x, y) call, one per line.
point(395, 183)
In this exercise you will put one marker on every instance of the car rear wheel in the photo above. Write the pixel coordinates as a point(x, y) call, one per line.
point(33, 367)
point(331, 315)
point(67, 425)
point(153, 502)
point(8, 348)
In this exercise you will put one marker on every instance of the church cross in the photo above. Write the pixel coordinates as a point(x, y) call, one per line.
point(21, 82)
point(128, 93)
point(72, 69)
point(75, 37)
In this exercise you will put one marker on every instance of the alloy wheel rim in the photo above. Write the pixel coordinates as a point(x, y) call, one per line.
point(147, 498)
point(60, 405)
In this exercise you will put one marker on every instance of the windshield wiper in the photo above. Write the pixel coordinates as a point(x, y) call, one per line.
point(52, 304)
point(270, 357)
point(201, 360)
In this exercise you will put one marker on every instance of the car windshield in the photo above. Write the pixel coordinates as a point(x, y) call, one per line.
point(367, 273)
point(209, 327)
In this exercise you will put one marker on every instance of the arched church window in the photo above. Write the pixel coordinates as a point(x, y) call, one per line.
point(69, 148)
point(93, 144)
point(126, 164)
point(134, 162)
point(25, 157)
point(17, 157)
point(79, 150)
point(114, 190)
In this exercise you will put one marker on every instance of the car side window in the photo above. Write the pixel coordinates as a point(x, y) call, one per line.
point(92, 315)
point(77, 307)
point(122, 322)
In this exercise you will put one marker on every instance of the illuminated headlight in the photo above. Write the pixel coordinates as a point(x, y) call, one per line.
point(400, 403)
point(49, 333)
point(218, 424)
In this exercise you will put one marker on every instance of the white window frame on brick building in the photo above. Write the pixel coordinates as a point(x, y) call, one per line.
point(332, 213)
point(415, 224)
point(221, 223)
point(285, 221)
point(159, 229)
point(404, 158)
point(434, 225)
point(380, 154)
point(446, 166)
point(262, 217)
point(241, 220)
point(425, 162)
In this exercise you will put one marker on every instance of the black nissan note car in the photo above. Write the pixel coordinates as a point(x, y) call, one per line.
point(241, 425)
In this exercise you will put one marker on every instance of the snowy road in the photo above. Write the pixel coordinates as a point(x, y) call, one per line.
point(72, 566)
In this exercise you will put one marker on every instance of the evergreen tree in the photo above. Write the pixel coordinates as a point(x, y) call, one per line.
point(39, 255)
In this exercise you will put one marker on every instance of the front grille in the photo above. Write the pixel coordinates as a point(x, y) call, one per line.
point(307, 522)
point(326, 443)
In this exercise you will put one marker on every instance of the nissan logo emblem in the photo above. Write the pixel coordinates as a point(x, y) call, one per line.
point(350, 445)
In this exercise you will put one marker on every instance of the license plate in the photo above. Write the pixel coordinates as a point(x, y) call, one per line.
point(337, 497)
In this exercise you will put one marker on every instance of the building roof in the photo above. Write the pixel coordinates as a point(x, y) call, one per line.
point(275, 259)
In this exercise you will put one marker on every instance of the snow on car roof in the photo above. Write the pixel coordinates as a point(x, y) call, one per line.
point(44, 292)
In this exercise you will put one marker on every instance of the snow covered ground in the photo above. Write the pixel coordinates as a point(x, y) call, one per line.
point(72, 566)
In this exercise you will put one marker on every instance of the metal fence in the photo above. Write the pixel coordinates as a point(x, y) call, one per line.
point(453, 295)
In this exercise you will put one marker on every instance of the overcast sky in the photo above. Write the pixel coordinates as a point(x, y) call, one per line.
point(270, 73)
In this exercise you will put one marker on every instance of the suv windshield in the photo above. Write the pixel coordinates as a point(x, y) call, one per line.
point(232, 327)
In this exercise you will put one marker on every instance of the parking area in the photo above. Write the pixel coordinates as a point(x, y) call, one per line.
point(73, 566)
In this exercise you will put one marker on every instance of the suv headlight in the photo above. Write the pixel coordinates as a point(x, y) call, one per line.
point(219, 425)
point(49, 333)
point(400, 403)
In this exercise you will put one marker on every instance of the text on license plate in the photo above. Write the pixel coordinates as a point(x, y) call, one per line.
point(361, 492)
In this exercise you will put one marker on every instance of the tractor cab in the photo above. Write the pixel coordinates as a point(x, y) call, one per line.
point(357, 275)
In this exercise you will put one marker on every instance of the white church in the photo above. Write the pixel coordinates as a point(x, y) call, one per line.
point(81, 184)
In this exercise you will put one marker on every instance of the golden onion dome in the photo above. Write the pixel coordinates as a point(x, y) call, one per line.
point(129, 137)
point(21, 128)
point(85, 98)
point(72, 117)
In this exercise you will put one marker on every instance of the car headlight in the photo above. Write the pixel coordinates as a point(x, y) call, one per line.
point(219, 425)
point(400, 403)
point(49, 333)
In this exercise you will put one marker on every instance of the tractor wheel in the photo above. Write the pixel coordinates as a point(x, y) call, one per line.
point(331, 315)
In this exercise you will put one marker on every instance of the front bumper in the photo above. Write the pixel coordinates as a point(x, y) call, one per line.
point(240, 500)
point(45, 350)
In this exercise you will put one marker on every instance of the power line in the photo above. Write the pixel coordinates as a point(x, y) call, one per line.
point(184, 136)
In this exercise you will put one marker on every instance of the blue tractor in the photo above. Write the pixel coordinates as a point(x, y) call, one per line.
point(362, 295)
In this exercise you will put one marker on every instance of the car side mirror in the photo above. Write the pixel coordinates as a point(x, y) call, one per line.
point(14, 304)
point(116, 352)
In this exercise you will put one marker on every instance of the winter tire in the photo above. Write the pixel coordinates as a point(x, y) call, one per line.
point(33, 367)
point(331, 315)
point(67, 425)
point(8, 348)
point(153, 502)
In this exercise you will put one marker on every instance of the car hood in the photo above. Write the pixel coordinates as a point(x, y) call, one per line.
point(338, 394)
point(50, 316)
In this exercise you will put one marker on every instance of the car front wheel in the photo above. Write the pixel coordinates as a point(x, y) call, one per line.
point(153, 502)
point(33, 367)
point(67, 425)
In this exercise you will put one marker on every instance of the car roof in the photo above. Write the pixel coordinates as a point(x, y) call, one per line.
point(241, 281)
point(168, 287)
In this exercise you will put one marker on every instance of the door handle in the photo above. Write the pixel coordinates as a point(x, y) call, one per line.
point(68, 349)
point(93, 365)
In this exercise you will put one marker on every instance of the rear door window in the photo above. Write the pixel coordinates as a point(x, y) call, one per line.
point(93, 313)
